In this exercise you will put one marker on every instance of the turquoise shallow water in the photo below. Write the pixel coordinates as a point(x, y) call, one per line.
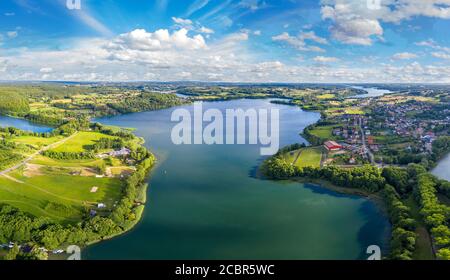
point(23, 125)
point(205, 203)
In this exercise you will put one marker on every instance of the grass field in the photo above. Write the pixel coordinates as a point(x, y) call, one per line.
point(311, 156)
point(36, 142)
point(79, 143)
point(326, 96)
point(324, 132)
point(58, 197)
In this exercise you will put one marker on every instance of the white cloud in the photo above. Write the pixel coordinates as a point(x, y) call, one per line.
point(354, 22)
point(127, 44)
point(9, 14)
point(325, 59)
point(12, 34)
point(299, 42)
point(441, 55)
point(205, 30)
point(253, 4)
point(257, 32)
point(169, 56)
point(46, 70)
point(404, 56)
point(181, 21)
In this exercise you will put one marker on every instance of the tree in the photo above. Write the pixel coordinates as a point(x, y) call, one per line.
point(13, 253)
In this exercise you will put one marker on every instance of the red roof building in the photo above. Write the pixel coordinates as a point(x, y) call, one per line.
point(332, 146)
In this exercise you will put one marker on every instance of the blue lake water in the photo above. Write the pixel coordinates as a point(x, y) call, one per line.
point(23, 125)
point(371, 92)
point(205, 203)
point(442, 170)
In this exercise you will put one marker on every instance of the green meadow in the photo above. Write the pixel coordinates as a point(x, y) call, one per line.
point(63, 198)
point(79, 142)
point(307, 157)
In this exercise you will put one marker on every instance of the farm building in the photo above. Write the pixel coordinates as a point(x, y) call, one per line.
point(332, 146)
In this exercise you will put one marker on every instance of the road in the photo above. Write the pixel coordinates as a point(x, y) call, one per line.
point(23, 162)
point(363, 140)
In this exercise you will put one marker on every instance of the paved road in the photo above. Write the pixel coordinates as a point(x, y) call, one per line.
point(23, 162)
point(363, 140)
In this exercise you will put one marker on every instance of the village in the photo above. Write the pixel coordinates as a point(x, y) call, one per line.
point(385, 134)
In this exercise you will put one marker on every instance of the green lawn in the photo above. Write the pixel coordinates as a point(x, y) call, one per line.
point(308, 157)
point(79, 142)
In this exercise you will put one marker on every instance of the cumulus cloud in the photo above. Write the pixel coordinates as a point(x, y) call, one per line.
point(299, 42)
point(404, 56)
point(164, 55)
point(140, 40)
point(356, 22)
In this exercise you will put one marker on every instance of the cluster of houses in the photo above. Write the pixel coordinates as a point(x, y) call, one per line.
point(124, 152)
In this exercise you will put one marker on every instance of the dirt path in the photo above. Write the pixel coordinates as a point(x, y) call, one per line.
point(296, 159)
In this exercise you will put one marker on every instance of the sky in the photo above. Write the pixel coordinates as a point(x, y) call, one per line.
point(288, 41)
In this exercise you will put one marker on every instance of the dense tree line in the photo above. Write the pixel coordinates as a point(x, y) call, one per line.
point(68, 155)
point(365, 177)
point(436, 215)
point(403, 237)
point(145, 102)
point(441, 147)
point(106, 143)
point(13, 103)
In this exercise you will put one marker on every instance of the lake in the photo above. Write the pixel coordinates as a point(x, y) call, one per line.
point(442, 169)
point(371, 92)
point(23, 125)
point(204, 202)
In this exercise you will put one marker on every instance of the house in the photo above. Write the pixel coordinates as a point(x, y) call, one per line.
point(332, 146)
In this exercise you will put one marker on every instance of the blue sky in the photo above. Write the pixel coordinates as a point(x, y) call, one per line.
point(226, 40)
